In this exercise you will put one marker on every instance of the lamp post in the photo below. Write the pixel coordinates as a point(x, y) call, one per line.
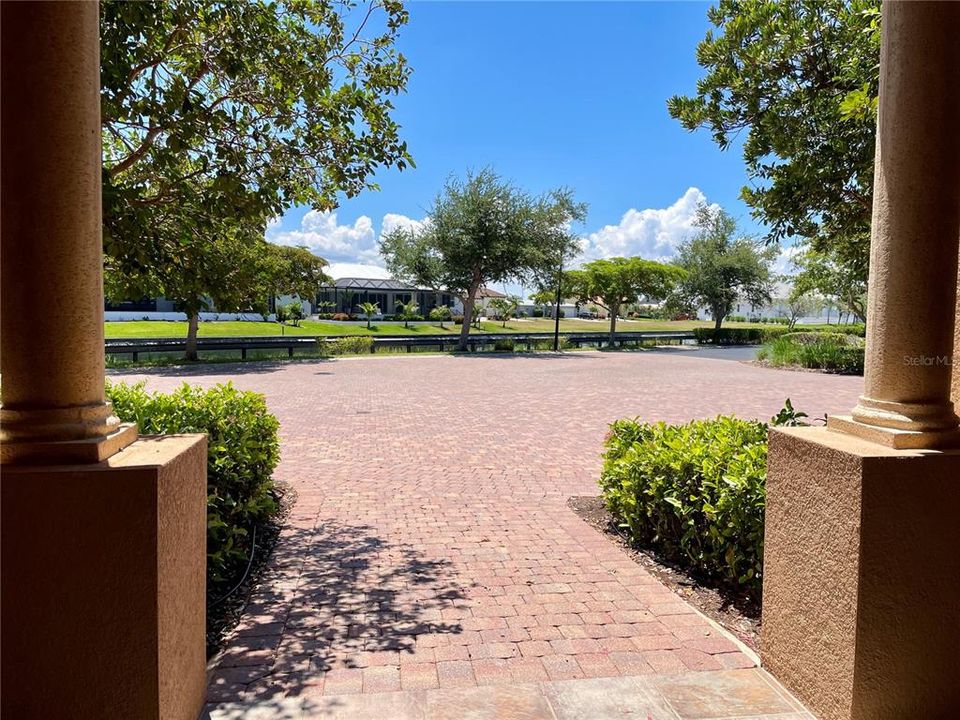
point(556, 311)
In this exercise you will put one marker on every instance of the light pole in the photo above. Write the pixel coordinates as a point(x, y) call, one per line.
point(556, 310)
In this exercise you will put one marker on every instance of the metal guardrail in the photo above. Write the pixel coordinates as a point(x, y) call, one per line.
point(291, 343)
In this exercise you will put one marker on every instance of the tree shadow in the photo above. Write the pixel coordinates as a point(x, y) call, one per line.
point(200, 368)
point(338, 597)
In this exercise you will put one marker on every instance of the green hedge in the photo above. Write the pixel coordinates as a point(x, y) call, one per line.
point(695, 491)
point(242, 451)
point(351, 345)
point(820, 350)
point(736, 336)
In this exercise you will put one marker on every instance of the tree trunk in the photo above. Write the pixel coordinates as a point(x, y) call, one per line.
point(717, 318)
point(613, 324)
point(193, 324)
point(468, 303)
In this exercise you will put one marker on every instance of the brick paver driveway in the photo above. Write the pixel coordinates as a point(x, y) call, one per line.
point(431, 545)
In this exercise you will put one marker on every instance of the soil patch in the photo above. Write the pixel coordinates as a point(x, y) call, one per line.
point(734, 610)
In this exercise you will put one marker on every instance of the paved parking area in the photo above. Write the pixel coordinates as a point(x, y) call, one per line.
point(431, 548)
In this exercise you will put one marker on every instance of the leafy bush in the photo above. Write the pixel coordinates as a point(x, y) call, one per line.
point(340, 316)
point(537, 312)
point(458, 319)
point(355, 345)
point(820, 350)
point(547, 345)
point(696, 491)
point(242, 451)
point(503, 345)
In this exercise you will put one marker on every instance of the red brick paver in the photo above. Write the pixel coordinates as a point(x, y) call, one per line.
point(431, 545)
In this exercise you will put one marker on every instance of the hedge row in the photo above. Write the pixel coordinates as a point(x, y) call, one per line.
point(755, 336)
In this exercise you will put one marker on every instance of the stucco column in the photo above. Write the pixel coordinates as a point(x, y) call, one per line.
point(916, 230)
point(53, 406)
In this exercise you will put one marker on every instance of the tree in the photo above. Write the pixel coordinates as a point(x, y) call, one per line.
point(218, 116)
point(296, 271)
point(615, 282)
point(441, 313)
point(369, 309)
point(229, 267)
point(407, 310)
point(721, 269)
point(799, 303)
point(802, 79)
point(482, 231)
point(842, 284)
point(505, 307)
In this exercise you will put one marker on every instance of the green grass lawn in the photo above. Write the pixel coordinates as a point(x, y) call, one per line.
point(163, 329)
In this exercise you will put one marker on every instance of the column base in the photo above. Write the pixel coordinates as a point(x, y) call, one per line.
point(86, 450)
point(104, 580)
point(860, 600)
point(895, 437)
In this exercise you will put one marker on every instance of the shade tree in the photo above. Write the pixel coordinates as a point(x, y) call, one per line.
point(722, 268)
point(483, 230)
point(614, 283)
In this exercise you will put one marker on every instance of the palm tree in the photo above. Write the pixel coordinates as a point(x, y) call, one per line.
point(369, 309)
point(505, 307)
point(406, 310)
point(441, 313)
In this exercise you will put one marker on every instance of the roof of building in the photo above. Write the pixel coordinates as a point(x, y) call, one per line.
point(488, 293)
point(355, 283)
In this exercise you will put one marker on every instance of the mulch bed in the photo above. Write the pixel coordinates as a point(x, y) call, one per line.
point(224, 612)
point(735, 610)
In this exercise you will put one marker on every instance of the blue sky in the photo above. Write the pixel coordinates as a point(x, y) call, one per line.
point(549, 94)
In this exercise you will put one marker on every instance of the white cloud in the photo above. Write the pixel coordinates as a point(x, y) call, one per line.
point(392, 221)
point(320, 232)
point(653, 233)
point(354, 245)
point(339, 270)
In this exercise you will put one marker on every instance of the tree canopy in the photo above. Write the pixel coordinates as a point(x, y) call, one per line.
point(615, 282)
point(219, 115)
point(483, 230)
point(798, 82)
point(721, 268)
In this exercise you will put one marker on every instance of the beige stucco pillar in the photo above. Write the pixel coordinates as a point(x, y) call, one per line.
point(915, 233)
point(103, 535)
point(51, 324)
point(860, 602)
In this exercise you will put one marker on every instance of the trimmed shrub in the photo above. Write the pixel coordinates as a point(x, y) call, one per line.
point(242, 451)
point(537, 312)
point(356, 345)
point(458, 319)
point(503, 345)
point(694, 491)
point(340, 316)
